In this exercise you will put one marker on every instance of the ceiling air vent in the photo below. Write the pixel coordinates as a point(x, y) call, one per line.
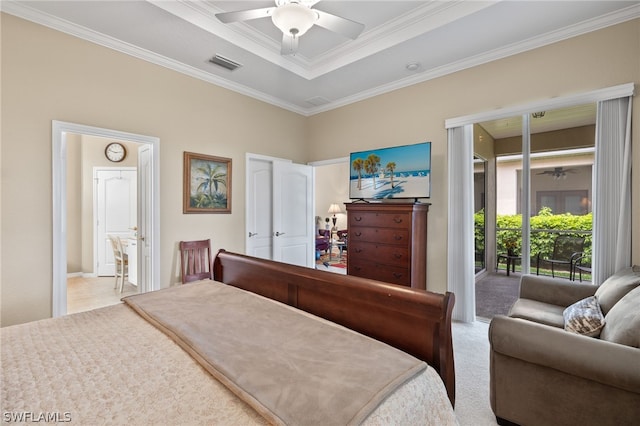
point(223, 62)
point(318, 100)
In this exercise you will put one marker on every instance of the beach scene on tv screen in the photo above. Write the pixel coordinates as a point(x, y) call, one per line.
point(396, 172)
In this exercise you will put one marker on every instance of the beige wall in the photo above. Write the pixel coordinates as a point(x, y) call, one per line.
point(332, 186)
point(605, 58)
point(509, 178)
point(47, 75)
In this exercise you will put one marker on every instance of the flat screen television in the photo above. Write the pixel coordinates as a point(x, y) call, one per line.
point(387, 173)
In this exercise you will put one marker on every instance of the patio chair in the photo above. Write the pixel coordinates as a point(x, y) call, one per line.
point(479, 255)
point(582, 264)
point(566, 249)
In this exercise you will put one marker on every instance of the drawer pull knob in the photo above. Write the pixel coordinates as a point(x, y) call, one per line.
point(358, 233)
point(397, 275)
point(397, 237)
point(397, 256)
point(397, 219)
point(357, 218)
point(358, 250)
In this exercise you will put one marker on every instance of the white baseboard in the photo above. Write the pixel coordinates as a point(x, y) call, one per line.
point(81, 274)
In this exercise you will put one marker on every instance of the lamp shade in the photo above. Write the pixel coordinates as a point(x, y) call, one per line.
point(334, 208)
point(294, 19)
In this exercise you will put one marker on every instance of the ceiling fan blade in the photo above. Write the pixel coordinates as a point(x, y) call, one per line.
point(344, 26)
point(244, 15)
point(289, 45)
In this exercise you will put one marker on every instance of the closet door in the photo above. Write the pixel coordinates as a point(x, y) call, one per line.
point(293, 218)
point(259, 216)
point(279, 215)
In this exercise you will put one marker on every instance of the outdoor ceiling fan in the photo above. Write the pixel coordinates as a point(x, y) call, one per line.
point(294, 18)
point(558, 172)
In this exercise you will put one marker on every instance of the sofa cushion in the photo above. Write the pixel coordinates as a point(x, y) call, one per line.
point(584, 317)
point(540, 312)
point(623, 321)
point(617, 286)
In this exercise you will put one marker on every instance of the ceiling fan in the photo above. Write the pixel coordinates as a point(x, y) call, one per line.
point(558, 172)
point(294, 18)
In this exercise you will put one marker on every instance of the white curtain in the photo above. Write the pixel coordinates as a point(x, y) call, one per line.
point(612, 189)
point(460, 255)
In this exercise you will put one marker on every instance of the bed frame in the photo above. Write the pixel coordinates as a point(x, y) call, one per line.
point(415, 321)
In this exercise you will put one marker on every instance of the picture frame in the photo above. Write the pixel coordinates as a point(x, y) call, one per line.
point(206, 184)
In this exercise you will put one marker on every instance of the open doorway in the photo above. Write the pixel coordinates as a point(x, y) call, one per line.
point(331, 194)
point(148, 212)
point(102, 206)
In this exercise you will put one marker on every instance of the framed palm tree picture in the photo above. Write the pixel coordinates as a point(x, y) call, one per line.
point(207, 184)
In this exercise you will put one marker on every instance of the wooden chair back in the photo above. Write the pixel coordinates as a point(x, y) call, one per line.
point(196, 260)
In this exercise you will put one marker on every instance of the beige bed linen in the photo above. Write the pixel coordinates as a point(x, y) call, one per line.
point(109, 366)
point(292, 368)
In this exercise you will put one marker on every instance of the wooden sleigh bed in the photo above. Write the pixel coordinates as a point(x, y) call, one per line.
point(209, 353)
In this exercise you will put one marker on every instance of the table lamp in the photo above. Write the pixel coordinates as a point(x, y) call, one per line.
point(333, 209)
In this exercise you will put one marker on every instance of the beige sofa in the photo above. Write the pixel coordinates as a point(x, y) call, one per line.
point(542, 374)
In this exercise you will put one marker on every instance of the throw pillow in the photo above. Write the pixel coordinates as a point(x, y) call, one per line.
point(584, 317)
point(616, 287)
point(623, 321)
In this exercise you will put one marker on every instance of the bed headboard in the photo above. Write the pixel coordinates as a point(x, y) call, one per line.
point(415, 321)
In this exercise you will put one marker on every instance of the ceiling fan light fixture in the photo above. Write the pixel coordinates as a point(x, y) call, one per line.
point(294, 19)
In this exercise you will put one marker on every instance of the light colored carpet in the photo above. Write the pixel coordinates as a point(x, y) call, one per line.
point(471, 354)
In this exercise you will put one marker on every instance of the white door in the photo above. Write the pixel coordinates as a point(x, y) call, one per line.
point(145, 218)
point(258, 237)
point(279, 215)
point(293, 217)
point(116, 211)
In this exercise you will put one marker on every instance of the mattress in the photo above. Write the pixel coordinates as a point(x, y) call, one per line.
point(111, 366)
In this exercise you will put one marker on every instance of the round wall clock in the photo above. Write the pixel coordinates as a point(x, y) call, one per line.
point(115, 152)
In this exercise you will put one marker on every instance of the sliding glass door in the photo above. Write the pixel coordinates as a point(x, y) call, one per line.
point(544, 190)
point(611, 180)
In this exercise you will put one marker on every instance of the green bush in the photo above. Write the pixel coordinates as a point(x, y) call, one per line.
point(541, 241)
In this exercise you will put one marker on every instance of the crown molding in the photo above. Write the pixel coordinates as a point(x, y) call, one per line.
point(25, 12)
point(584, 27)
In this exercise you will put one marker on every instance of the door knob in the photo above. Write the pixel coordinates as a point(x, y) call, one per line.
point(251, 234)
point(279, 233)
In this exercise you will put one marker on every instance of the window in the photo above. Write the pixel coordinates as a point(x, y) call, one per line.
point(574, 202)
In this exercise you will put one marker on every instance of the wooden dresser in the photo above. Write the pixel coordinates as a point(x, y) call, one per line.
point(388, 242)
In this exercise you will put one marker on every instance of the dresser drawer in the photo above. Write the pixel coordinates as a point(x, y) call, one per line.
point(388, 242)
point(375, 219)
point(379, 272)
point(399, 237)
point(379, 253)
